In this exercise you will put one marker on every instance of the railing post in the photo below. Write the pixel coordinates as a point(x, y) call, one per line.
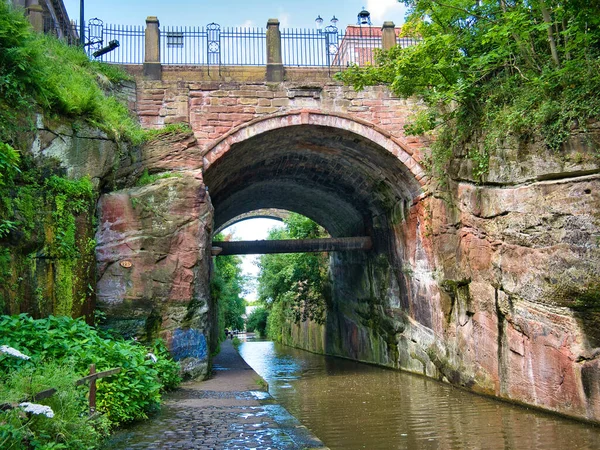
point(275, 69)
point(36, 16)
point(388, 35)
point(152, 66)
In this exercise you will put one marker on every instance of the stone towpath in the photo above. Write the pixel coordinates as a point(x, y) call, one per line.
point(227, 411)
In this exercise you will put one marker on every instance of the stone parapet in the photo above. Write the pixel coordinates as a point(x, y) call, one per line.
point(215, 107)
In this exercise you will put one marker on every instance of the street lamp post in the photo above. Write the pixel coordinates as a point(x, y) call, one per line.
point(330, 34)
point(81, 24)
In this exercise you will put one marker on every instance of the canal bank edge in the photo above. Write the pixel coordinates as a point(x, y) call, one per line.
point(288, 424)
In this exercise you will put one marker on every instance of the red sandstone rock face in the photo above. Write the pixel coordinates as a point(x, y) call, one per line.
point(525, 252)
point(485, 277)
point(153, 255)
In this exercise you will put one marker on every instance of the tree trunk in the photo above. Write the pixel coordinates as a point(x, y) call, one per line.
point(548, 22)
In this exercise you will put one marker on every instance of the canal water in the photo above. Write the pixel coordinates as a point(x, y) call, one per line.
point(350, 405)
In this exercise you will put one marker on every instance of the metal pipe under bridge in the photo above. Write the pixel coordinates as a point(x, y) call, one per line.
point(344, 244)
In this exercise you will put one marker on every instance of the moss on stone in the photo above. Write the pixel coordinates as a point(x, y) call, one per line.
point(153, 325)
point(54, 217)
point(587, 309)
point(583, 297)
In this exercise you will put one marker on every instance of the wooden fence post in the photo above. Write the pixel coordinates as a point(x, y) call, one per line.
point(92, 377)
point(92, 390)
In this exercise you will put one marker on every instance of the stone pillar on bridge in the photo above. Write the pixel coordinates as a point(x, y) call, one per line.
point(388, 35)
point(35, 14)
point(152, 66)
point(275, 70)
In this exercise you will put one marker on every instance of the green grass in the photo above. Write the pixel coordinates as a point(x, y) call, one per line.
point(168, 130)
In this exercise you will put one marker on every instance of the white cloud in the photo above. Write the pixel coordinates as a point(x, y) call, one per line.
point(284, 19)
point(382, 10)
point(248, 24)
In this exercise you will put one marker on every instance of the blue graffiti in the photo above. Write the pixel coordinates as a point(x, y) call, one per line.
point(188, 343)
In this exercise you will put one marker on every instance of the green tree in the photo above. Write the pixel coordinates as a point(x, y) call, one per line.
point(294, 286)
point(488, 68)
point(257, 321)
point(227, 286)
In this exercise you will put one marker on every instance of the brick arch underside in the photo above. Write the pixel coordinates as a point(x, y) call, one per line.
point(264, 213)
point(343, 174)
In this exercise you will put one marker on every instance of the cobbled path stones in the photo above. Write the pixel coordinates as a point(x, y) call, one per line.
point(221, 413)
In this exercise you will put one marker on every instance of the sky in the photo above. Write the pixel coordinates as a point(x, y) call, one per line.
point(232, 13)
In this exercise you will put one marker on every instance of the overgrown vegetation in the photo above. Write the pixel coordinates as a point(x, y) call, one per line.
point(257, 321)
point(47, 252)
point(39, 215)
point(69, 428)
point(293, 287)
point(170, 129)
point(45, 218)
point(146, 178)
point(494, 68)
point(61, 350)
point(41, 73)
point(227, 287)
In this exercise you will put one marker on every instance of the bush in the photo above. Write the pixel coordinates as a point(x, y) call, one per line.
point(168, 371)
point(488, 70)
point(124, 397)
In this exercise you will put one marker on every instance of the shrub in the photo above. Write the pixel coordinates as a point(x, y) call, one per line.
point(126, 396)
point(168, 372)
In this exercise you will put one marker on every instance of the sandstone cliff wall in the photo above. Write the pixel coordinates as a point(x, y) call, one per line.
point(47, 263)
point(153, 259)
point(492, 286)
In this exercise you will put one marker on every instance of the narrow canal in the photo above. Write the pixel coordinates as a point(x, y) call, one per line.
point(350, 405)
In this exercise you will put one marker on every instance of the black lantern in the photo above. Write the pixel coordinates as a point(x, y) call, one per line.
point(364, 17)
point(319, 22)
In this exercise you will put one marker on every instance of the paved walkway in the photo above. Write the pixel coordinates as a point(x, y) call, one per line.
point(227, 411)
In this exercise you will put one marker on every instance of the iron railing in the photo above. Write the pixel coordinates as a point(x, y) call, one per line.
point(213, 45)
point(406, 41)
point(306, 47)
point(131, 43)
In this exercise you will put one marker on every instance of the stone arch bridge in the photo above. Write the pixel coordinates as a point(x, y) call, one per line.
point(446, 290)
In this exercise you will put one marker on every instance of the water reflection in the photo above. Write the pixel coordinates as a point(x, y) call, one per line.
point(349, 405)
